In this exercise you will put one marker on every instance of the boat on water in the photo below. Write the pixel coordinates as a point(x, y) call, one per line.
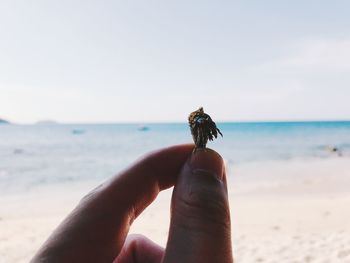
point(78, 131)
point(143, 128)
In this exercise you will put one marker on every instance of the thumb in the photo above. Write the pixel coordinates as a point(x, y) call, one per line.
point(200, 228)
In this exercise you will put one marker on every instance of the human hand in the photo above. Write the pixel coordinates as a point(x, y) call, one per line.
point(96, 230)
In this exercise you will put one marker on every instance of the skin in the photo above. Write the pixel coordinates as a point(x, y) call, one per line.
point(97, 229)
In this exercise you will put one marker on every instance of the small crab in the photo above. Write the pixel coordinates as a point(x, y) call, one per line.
point(202, 128)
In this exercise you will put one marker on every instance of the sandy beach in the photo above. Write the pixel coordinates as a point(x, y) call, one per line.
point(282, 211)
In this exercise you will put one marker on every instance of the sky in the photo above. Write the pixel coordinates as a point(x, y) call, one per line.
point(154, 61)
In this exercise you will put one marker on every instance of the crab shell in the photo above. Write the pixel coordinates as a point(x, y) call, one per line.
point(203, 128)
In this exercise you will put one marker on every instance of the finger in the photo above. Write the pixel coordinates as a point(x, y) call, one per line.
point(200, 219)
point(137, 249)
point(96, 229)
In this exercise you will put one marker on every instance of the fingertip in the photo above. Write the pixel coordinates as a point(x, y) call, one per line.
point(208, 161)
point(138, 248)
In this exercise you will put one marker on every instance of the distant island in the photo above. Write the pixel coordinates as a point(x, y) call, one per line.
point(2, 121)
point(46, 122)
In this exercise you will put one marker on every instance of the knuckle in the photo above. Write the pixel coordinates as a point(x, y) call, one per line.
point(204, 205)
point(91, 195)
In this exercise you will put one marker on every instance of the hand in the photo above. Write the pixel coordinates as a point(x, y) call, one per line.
point(96, 230)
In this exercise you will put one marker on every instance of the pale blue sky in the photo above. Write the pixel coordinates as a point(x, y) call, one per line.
point(110, 61)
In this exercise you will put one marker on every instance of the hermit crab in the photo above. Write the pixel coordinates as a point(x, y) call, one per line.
point(203, 128)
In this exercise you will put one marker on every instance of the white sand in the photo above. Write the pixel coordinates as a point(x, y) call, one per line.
point(289, 211)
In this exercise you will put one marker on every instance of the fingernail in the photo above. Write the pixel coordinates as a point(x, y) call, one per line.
point(207, 161)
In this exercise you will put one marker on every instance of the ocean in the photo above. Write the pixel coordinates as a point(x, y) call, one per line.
point(34, 156)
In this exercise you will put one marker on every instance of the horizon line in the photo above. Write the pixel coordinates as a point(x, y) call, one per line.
point(52, 122)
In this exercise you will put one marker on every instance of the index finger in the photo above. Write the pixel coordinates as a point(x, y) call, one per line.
point(96, 229)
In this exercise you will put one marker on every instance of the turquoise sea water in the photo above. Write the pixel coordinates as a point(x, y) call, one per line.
point(38, 155)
